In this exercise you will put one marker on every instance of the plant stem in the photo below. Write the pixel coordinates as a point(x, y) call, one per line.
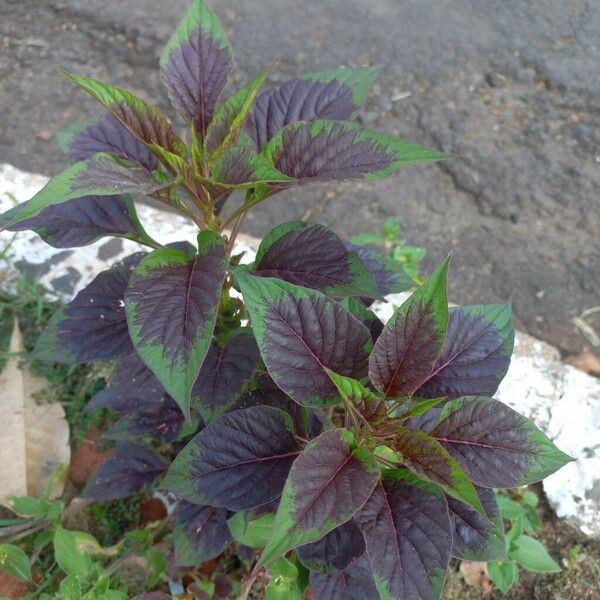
point(250, 582)
point(234, 232)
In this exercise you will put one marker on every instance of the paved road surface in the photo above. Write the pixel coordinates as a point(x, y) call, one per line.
point(512, 87)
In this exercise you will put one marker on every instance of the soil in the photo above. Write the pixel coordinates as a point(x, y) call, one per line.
point(505, 86)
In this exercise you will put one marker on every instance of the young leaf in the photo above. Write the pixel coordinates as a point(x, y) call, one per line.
point(474, 537)
point(531, 554)
point(100, 175)
point(351, 389)
point(126, 472)
point(92, 326)
point(335, 551)
point(496, 446)
point(412, 340)
point(426, 457)
point(222, 465)
point(171, 305)
point(142, 120)
point(240, 167)
point(334, 94)
point(250, 530)
point(82, 221)
point(407, 532)
point(195, 64)
point(476, 353)
point(14, 562)
point(326, 150)
point(200, 533)
point(504, 574)
point(224, 374)
point(104, 134)
point(301, 333)
point(355, 582)
point(228, 121)
point(327, 484)
point(389, 276)
point(310, 255)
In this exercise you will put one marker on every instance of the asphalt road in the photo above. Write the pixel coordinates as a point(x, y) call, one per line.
point(511, 87)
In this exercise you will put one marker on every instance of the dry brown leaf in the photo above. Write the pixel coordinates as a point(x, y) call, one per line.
point(35, 436)
point(475, 575)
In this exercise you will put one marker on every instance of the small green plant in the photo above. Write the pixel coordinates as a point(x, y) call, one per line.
point(391, 241)
point(519, 508)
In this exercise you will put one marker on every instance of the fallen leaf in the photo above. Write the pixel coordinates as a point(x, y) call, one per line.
point(35, 436)
point(475, 574)
point(87, 458)
point(586, 361)
point(12, 588)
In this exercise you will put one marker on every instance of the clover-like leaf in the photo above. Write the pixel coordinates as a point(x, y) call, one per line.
point(224, 463)
point(224, 374)
point(473, 536)
point(105, 134)
point(301, 333)
point(327, 484)
point(355, 582)
point(195, 64)
point(335, 551)
point(311, 255)
point(408, 537)
point(92, 326)
point(127, 471)
point(496, 446)
point(82, 221)
point(200, 533)
point(171, 305)
point(100, 175)
point(476, 353)
point(426, 457)
point(407, 349)
point(326, 150)
point(142, 120)
point(334, 94)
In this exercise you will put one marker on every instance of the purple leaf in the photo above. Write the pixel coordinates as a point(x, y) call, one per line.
point(92, 326)
point(301, 333)
point(355, 582)
point(412, 340)
point(408, 536)
point(171, 306)
point(132, 387)
point(476, 353)
point(473, 536)
point(201, 533)
point(389, 277)
point(84, 220)
point(367, 317)
point(496, 446)
point(105, 134)
point(126, 472)
point(335, 551)
point(327, 484)
point(163, 423)
point(327, 95)
point(310, 255)
point(326, 150)
point(195, 65)
point(223, 463)
point(224, 375)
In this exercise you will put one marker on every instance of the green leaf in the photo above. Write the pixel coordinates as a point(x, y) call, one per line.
point(359, 79)
point(227, 122)
point(328, 483)
point(426, 457)
point(504, 574)
point(351, 390)
point(531, 554)
point(284, 581)
point(142, 120)
point(14, 562)
point(27, 506)
point(69, 554)
point(251, 531)
point(101, 175)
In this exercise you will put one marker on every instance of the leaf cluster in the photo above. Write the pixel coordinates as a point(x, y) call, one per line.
point(357, 456)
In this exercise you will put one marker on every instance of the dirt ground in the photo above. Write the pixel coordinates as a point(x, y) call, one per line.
point(510, 87)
